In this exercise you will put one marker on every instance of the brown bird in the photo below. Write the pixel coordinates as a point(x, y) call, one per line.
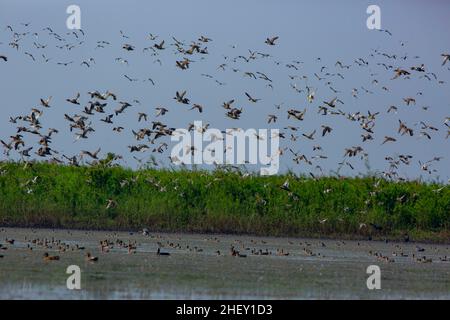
point(74, 100)
point(234, 113)
point(180, 97)
point(227, 105)
point(183, 64)
point(388, 139)
point(91, 258)
point(198, 107)
point(404, 129)
point(48, 257)
point(352, 152)
point(93, 155)
point(400, 72)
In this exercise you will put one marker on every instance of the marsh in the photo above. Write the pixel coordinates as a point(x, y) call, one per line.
point(200, 266)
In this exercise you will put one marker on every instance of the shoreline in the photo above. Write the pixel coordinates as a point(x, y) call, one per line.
point(442, 238)
point(222, 202)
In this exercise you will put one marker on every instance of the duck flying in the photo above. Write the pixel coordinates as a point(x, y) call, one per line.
point(250, 98)
point(74, 100)
point(445, 56)
point(271, 41)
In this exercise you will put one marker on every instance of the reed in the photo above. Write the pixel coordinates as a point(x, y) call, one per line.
point(222, 201)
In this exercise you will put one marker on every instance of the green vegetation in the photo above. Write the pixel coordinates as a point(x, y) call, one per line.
point(221, 201)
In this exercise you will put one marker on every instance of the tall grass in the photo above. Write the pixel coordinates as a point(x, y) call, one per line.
point(219, 201)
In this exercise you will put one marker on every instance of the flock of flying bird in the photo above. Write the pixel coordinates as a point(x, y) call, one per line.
point(150, 136)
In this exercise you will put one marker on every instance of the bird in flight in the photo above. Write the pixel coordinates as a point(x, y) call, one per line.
point(388, 139)
point(198, 107)
point(130, 79)
point(271, 41)
point(250, 98)
point(64, 63)
point(326, 129)
point(159, 46)
point(308, 84)
point(309, 136)
point(46, 103)
point(93, 155)
point(180, 97)
point(128, 47)
point(74, 100)
point(446, 57)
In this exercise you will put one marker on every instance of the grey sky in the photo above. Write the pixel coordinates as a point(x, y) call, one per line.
point(331, 30)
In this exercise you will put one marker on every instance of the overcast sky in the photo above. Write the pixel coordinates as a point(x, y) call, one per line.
point(307, 30)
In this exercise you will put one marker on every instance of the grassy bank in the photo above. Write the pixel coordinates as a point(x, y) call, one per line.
point(220, 201)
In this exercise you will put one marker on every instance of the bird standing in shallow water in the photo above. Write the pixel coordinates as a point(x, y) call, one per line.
point(48, 257)
point(91, 258)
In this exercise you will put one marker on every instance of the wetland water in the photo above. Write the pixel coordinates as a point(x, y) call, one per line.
point(314, 268)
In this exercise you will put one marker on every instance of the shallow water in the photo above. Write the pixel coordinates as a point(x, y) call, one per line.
point(337, 269)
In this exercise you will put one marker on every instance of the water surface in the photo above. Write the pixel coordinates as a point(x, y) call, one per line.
point(314, 268)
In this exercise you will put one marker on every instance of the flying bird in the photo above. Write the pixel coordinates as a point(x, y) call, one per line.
point(250, 98)
point(271, 41)
point(446, 57)
point(74, 100)
point(46, 103)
